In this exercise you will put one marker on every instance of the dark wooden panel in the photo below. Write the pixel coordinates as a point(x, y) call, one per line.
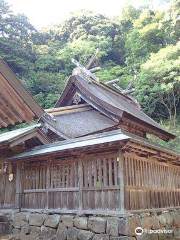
point(101, 200)
point(64, 200)
point(34, 200)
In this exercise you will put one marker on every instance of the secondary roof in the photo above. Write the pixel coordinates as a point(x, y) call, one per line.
point(94, 140)
point(18, 136)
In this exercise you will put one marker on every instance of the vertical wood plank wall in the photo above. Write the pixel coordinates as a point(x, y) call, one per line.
point(87, 183)
point(7, 189)
point(101, 186)
point(149, 184)
point(95, 183)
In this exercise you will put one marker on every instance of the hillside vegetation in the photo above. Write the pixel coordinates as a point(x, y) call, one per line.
point(141, 40)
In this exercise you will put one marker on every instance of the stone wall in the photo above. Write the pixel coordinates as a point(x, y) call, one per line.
point(30, 226)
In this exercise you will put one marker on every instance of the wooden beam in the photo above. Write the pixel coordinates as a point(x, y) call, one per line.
point(12, 113)
point(131, 83)
point(120, 159)
point(111, 82)
point(80, 173)
point(48, 182)
point(3, 123)
point(96, 69)
point(82, 212)
point(18, 186)
point(126, 92)
point(140, 147)
point(88, 65)
point(5, 114)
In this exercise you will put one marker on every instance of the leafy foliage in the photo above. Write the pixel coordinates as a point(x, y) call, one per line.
point(143, 40)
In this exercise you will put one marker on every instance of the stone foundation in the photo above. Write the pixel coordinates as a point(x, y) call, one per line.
point(30, 226)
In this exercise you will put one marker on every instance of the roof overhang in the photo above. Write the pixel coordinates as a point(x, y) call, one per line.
point(160, 132)
point(16, 103)
point(19, 136)
point(97, 141)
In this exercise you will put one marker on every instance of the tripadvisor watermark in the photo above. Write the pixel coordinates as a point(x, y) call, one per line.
point(140, 231)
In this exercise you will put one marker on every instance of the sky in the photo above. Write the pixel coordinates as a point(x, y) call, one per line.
point(43, 13)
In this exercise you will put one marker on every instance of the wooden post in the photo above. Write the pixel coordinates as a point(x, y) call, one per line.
point(48, 183)
point(2, 184)
point(121, 179)
point(80, 172)
point(18, 195)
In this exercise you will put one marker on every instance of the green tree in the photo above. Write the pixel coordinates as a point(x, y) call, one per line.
point(158, 85)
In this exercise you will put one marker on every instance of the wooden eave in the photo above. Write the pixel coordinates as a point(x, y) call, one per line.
point(129, 119)
point(68, 90)
point(16, 103)
point(128, 146)
point(93, 150)
point(129, 143)
point(151, 152)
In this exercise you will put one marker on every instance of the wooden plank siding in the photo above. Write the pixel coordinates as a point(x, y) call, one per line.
point(109, 182)
point(84, 183)
point(150, 184)
point(7, 188)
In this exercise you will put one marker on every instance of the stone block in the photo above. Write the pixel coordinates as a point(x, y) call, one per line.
point(68, 220)
point(169, 218)
point(15, 231)
point(5, 228)
point(162, 221)
point(52, 221)
point(101, 237)
point(61, 232)
point(47, 232)
point(113, 227)
point(4, 218)
point(155, 222)
point(81, 223)
point(20, 219)
point(35, 231)
point(25, 229)
point(72, 233)
point(97, 224)
point(176, 219)
point(146, 222)
point(133, 224)
point(123, 226)
point(85, 235)
point(37, 219)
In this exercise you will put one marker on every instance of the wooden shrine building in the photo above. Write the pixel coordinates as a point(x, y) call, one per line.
point(88, 154)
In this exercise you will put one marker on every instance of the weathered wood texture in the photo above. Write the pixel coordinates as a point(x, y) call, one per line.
point(7, 188)
point(101, 182)
point(150, 184)
point(92, 185)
